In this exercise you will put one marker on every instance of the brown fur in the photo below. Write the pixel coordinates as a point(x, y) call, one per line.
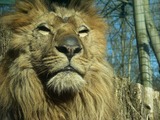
point(25, 94)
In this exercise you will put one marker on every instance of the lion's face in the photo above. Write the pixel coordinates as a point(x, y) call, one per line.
point(62, 45)
point(61, 50)
point(58, 52)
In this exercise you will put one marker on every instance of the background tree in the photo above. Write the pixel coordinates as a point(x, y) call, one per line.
point(123, 55)
point(118, 13)
point(122, 46)
point(144, 55)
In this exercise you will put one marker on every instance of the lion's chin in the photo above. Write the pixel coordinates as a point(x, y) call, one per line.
point(65, 82)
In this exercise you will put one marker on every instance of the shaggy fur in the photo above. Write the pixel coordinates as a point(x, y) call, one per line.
point(33, 83)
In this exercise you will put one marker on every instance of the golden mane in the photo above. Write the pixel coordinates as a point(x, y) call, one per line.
point(22, 94)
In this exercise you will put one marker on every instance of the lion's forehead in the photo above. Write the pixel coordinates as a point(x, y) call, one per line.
point(59, 17)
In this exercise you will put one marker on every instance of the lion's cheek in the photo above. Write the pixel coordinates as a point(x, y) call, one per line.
point(79, 66)
point(66, 81)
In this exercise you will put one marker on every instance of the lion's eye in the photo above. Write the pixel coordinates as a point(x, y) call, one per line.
point(83, 31)
point(43, 29)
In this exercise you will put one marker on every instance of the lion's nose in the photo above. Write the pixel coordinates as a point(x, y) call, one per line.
point(69, 45)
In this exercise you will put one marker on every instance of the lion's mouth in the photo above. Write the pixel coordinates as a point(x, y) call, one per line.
point(45, 77)
point(68, 68)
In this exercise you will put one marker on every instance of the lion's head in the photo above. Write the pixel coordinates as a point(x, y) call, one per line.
point(55, 65)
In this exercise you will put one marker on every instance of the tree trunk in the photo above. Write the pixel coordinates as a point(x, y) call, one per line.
point(144, 59)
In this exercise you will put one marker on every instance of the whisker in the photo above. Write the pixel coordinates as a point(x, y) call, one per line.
point(51, 58)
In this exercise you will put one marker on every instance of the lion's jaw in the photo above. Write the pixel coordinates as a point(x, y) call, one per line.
point(63, 77)
point(67, 81)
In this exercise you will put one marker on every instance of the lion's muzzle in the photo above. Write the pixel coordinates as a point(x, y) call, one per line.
point(69, 45)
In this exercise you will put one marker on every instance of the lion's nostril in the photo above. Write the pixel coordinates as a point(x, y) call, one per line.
point(69, 46)
point(69, 51)
point(62, 49)
point(77, 50)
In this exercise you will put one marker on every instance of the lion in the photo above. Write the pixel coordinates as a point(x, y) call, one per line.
point(55, 66)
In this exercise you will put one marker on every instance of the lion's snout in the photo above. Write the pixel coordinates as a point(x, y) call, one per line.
point(69, 45)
